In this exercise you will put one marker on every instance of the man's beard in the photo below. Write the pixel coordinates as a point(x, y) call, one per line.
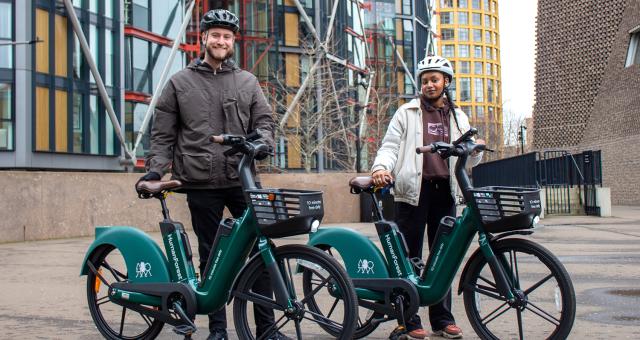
point(212, 55)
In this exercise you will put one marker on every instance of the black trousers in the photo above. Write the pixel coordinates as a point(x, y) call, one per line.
point(206, 207)
point(435, 203)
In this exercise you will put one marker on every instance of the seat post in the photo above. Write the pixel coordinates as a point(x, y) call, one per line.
point(165, 211)
point(377, 211)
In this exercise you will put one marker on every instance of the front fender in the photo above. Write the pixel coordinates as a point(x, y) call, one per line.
point(361, 257)
point(137, 248)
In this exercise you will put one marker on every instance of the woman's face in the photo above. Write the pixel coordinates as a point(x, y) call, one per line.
point(432, 84)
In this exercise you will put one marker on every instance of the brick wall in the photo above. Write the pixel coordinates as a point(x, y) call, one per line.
point(585, 97)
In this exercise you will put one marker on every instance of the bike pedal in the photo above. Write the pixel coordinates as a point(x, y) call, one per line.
point(185, 330)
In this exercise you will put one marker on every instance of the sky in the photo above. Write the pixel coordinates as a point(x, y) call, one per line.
point(517, 55)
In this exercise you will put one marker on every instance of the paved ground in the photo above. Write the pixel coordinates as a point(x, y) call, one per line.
point(42, 296)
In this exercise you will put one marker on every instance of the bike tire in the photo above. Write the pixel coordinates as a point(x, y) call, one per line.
point(294, 260)
point(108, 261)
point(543, 281)
point(365, 325)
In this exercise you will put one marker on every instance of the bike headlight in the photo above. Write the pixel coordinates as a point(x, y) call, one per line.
point(315, 225)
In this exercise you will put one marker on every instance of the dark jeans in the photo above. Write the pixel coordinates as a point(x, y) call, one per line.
point(206, 207)
point(435, 203)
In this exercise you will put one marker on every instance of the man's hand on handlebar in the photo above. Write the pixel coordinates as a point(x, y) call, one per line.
point(382, 177)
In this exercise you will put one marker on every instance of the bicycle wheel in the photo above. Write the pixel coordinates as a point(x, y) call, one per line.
point(112, 320)
point(294, 261)
point(546, 306)
point(310, 280)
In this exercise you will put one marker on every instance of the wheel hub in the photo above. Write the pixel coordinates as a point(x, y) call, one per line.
point(520, 300)
point(296, 311)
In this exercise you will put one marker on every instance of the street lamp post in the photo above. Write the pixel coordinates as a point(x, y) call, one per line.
point(522, 136)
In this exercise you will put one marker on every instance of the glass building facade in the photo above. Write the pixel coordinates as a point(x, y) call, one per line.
point(52, 116)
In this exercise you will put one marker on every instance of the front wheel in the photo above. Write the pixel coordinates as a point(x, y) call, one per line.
point(112, 320)
point(294, 261)
point(545, 303)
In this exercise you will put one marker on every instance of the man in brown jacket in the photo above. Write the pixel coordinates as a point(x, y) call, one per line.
point(210, 97)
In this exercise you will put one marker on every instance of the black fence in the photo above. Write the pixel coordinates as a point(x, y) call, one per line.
point(535, 169)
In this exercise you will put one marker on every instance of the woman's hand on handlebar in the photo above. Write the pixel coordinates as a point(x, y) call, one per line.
point(381, 177)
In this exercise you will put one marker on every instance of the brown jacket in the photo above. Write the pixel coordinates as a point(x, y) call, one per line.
point(199, 102)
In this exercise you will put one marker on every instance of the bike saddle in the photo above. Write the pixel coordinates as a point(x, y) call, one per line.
point(155, 187)
point(361, 184)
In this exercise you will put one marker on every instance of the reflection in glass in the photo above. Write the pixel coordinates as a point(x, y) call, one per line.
point(166, 22)
point(94, 125)
point(77, 122)
point(6, 118)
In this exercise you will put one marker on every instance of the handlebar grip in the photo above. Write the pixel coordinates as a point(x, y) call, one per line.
point(217, 139)
point(425, 149)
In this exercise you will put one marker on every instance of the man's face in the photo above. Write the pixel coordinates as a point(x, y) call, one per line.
point(432, 84)
point(219, 43)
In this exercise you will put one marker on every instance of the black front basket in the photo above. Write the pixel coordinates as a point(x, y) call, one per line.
point(286, 212)
point(507, 208)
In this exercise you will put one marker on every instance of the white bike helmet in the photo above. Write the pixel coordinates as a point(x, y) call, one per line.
point(435, 63)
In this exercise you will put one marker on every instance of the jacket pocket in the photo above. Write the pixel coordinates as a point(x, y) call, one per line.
point(237, 121)
point(195, 167)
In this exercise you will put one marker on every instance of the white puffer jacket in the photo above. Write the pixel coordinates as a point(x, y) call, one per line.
point(398, 152)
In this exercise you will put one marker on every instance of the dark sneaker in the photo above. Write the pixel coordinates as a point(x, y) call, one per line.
point(450, 332)
point(278, 336)
point(218, 334)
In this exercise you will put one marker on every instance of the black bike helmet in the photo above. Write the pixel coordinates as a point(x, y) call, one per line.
point(219, 18)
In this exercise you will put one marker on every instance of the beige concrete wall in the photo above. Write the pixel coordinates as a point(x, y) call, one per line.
point(46, 205)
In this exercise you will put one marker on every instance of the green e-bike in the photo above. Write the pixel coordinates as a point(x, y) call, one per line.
point(133, 289)
point(512, 286)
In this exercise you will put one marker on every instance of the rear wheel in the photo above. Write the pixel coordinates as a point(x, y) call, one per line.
point(112, 320)
point(296, 261)
point(545, 305)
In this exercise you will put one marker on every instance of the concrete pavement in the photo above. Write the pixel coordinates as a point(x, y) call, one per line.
point(42, 296)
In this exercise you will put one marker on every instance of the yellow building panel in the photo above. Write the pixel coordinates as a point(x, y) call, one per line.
point(61, 121)
point(400, 82)
point(42, 48)
point(61, 45)
point(292, 69)
point(293, 151)
point(291, 32)
point(294, 117)
point(42, 118)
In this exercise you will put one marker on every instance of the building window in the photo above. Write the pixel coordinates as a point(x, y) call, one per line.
point(479, 114)
point(448, 51)
point(465, 89)
point(6, 117)
point(446, 3)
point(477, 35)
point(463, 18)
point(487, 21)
point(446, 18)
point(478, 86)
point(491, 113)
point(633, 52)
point(475, 4)
point(487, 37)
point(133, 117)
point(488, 69)
point(463, 34)
point(447, 34)
point(463, 51)
point(485, 5)
point(489, 91)
point(463, 4)
point(488, 52)
point(476, 19)
point(463, 67)
point(477, 52)
point(468, 110)
point(6, 35)
point(477, 67)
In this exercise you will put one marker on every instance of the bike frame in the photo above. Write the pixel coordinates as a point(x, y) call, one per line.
point(447, 252)
point(230, 250)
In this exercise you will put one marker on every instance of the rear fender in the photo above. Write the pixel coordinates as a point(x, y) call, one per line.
point(145, 261)
point(360, 256)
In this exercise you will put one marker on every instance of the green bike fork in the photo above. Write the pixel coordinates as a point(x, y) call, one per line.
point(497, 269)
point(280, 290)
